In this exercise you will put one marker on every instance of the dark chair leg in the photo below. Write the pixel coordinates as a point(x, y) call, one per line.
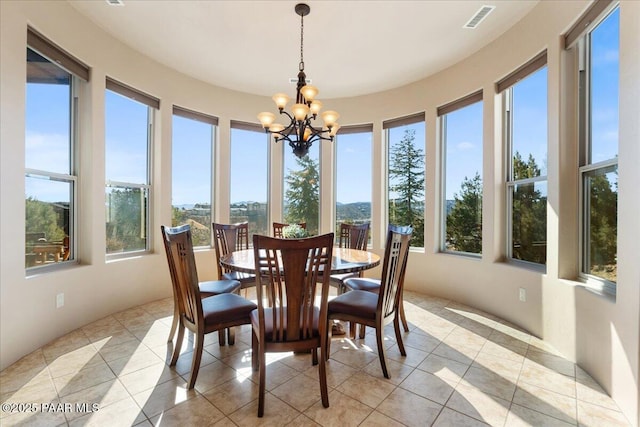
point(221, 339)
point(380, 342)
point(231, 335)
point(195, 362)
point(322, 372)
point(263, 368)
point(174, 323)
point(396, 326)
point(403, 316)
point(178, 345)
point(254, 351)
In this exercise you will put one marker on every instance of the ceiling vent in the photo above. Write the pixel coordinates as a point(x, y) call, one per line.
point(115, 2)
point(478, 17)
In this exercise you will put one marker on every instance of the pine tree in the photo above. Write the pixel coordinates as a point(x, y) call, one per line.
point(529, 215)
point(303, 194)
point(406, 169)
point(464, 221)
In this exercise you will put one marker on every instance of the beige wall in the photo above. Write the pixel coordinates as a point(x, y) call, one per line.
point(600, 334)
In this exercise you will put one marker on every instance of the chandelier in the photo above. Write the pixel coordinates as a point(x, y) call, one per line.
point(300, 133)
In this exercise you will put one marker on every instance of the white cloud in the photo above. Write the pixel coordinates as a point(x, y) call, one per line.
point(465, 146)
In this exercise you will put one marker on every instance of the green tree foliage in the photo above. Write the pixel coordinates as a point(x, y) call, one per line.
point(126, 221)
point(406, 176)
point(303, 194)
point(529, 217)
point(464, 221)
point(41, 217)
point(603, 227)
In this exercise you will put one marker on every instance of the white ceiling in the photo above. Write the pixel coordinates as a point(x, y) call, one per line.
point(350, 47)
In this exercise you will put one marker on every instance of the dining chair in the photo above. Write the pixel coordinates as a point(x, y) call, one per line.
point(199, 315)
point(352, 236)
point(207, 289)
point(230, 238)
point(296, 320)
point(373, 285)
point(278, 226)
point(377, 309)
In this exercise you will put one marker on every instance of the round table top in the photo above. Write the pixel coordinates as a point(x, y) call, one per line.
point(344, 261)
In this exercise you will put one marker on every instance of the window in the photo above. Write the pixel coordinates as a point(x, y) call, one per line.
point(301, 201)
point(525, 118)
point(192, 172)
point(128, 127)
point(52, 98)
point(405, 174)
point(597, 42)
point(353, 148)
point(461, 127)
point(249, 187)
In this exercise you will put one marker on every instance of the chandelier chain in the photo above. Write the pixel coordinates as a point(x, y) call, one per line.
point(301, 66)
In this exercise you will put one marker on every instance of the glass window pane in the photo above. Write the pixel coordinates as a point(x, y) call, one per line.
point(463, 179)
point(126, 219)
point(353, 178)
point(127, 135)
point(48, 220)
point(192, 145)
point(406, 178)
point(529, 222)
point(530, 125)
point(301, 202)
point(605, 49)
point(48, 116)
point(601, 207)
point(249, 186)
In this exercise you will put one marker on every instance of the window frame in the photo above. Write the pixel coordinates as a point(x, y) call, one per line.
point(258, 129)
point(213, 121)
point(581, 40)
point(505, 87)
point(153, 106)
point(398, 122)
point(79, 74)
point(363, 129)
point(442, 112)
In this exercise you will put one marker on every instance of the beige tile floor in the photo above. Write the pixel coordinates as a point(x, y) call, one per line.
point(463, 368)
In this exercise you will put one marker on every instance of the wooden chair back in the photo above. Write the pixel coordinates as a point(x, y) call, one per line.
point(182, 266)
point(229, 238)
point(393, 270)
point(278, 226)
point(292, 269)
point(354, 236)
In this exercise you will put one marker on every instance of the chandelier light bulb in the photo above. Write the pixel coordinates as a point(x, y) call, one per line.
point(330, 117)
point(315, 107)
point(307, 133)
point(334, 129)
point(266, 119)
point(309, 92)
point(300, 111)
point(276, 128)
point(281, 100)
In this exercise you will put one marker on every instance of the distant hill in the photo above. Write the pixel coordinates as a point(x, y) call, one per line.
point(356, 211)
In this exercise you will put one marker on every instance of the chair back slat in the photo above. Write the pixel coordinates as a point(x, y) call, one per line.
point(229, 238)
point(182, 265)
point(393, 269)
point(354, 236)
point(291, 269)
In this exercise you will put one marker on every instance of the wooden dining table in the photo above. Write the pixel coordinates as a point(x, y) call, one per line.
point(343, 261)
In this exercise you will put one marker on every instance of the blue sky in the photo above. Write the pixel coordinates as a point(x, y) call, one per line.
point(47, 134)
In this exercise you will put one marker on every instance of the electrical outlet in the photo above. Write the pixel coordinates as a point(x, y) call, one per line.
point(523, 295)
point(59, 300)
